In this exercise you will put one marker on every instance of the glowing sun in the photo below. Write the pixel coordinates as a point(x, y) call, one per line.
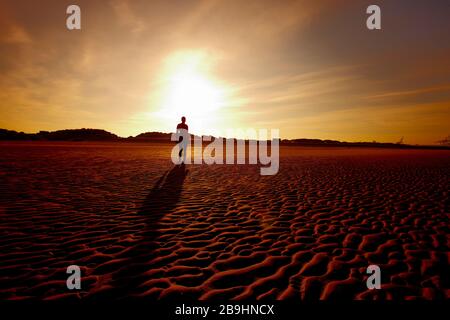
point(189, 90)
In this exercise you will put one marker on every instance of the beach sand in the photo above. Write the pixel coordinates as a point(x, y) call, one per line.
point(141, 228)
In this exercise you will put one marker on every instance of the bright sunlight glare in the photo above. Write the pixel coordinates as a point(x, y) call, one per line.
point(189, 90)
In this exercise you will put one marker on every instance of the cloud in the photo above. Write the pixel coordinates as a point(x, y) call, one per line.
point(301, 65)
point(127, 17)
point(15, 35)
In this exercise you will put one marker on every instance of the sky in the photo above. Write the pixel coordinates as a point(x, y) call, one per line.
point(311, 69)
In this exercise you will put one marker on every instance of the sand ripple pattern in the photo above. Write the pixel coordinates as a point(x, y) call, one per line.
point(141, 229)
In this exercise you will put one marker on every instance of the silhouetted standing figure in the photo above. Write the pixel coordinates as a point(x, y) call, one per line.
point(182, 131)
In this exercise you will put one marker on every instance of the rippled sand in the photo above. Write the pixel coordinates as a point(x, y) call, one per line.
point(141, 228)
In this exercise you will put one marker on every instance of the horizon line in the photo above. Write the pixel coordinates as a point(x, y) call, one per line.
point(437, 144)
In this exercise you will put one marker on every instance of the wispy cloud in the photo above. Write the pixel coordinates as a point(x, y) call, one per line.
point(308, 67)
point(127, 17)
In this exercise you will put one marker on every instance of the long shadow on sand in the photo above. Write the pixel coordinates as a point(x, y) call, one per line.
point(162, 200)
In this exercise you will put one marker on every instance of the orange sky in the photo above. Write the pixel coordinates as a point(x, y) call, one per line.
point(308, 68)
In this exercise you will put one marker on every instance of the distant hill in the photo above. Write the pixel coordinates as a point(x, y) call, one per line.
point(161, 137)
point(14, 135)
point(335, 143)
point(151, 136)
point(78, 135)
point(61, 135)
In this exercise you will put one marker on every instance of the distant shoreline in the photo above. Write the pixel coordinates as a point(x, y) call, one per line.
point(99, 135)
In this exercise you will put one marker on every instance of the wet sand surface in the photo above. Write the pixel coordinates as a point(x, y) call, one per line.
point(141, 228)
